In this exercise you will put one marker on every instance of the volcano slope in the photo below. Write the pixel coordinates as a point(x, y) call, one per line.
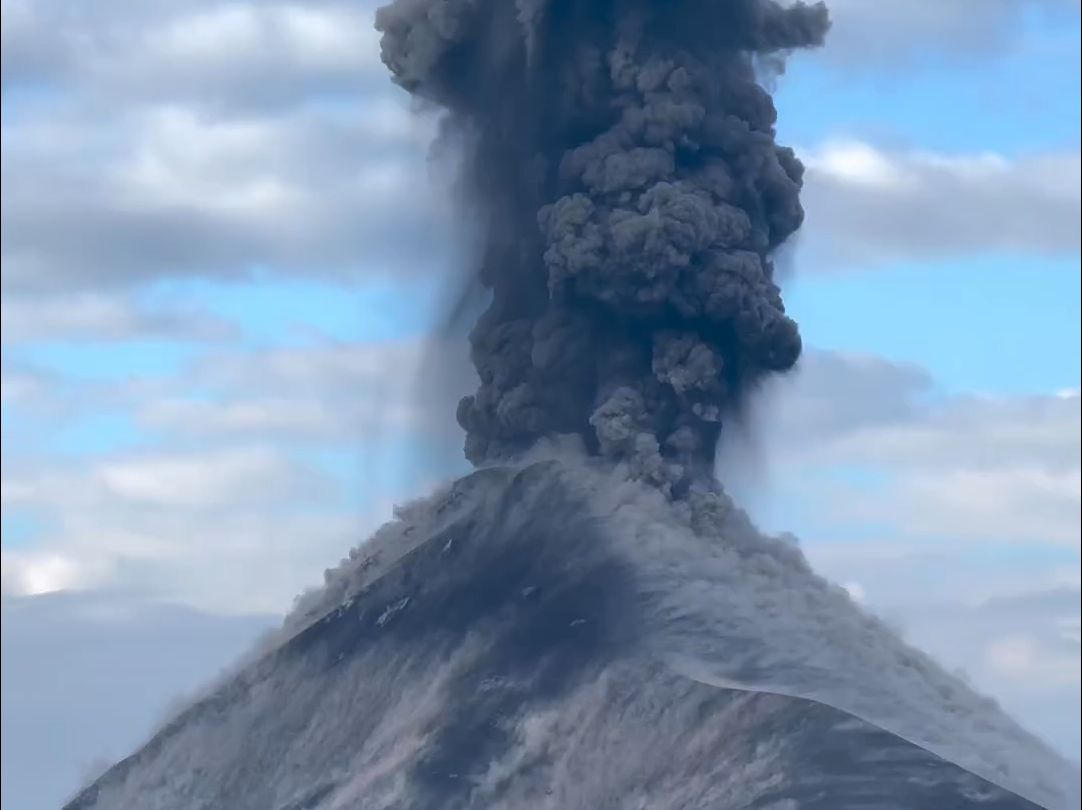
point(551, 635)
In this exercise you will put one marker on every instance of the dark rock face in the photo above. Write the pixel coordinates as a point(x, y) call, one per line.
point(498, 650)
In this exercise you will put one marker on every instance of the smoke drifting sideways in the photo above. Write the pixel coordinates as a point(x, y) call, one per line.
point(621, 158)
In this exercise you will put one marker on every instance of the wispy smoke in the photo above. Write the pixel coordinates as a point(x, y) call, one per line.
point(621, 156)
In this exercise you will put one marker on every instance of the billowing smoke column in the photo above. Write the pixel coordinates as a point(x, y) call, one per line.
point(621, 156)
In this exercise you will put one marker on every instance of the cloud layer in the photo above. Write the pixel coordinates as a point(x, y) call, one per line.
point(149, 144)
point(870, 206)
point(210, 139)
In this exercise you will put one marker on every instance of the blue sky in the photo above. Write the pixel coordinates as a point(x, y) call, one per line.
point(1021, 98)
point(219, 278)
point(996, 324)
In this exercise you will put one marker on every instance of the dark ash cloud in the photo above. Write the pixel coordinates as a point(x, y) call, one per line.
point(621, 158)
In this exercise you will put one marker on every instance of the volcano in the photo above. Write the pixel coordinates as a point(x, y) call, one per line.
point(587, 621)
point(551, 635)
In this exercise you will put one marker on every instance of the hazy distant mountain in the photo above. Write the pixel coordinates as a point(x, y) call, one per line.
point(85, 674)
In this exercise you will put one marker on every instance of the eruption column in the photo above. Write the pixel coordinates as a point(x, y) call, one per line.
point(622, 159)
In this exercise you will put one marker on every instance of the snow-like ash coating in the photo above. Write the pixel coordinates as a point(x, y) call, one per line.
point(621, 156)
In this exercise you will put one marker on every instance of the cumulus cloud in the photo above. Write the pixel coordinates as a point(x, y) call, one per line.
point(177, 193)
point(164, 139)
point(18, 386)
point(252, 475)
point(957, 469)
point(1011, 505)
point(952, 466)
point(988, 468)
point(29, 573)
point(242, 54)
point(253, 415)
point(168, 139)
point(1037, 431)
point(230, 475)
point(900, 31)
point(893, 414)
point(869, 206)
point(236, 530)
point(877, 390)
point(324, 391)
point(219, 478)
point(101, 316)
point(228, 55)
point(325, 367)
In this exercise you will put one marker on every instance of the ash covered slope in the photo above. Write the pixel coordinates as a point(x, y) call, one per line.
point(548, 636)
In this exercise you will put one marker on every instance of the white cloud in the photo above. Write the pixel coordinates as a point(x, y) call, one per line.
point(228, 504)
point(311, 37)
point(29, 573)
point(99, 316)
point(18, 386)
point(206, 139)
point(937, 467)
point(210, 138)
point(218, 478)
point(1013, 505)
point(166, 191)
point(256, 468)
point(973, 432)
point(166, 514)
point(226, 55)
point(954, 469)
point(241, 53)
point(326, 367)
point(325, 391)
point(226, 475)
point(229, 531)
point(912, 31)
point(283, 417)
point(805, 404)
point(1022, 658)
point(868, 206)
point(250, 416)
point(13, 493)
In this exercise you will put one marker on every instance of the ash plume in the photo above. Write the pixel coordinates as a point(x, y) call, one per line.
point(621, 157)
